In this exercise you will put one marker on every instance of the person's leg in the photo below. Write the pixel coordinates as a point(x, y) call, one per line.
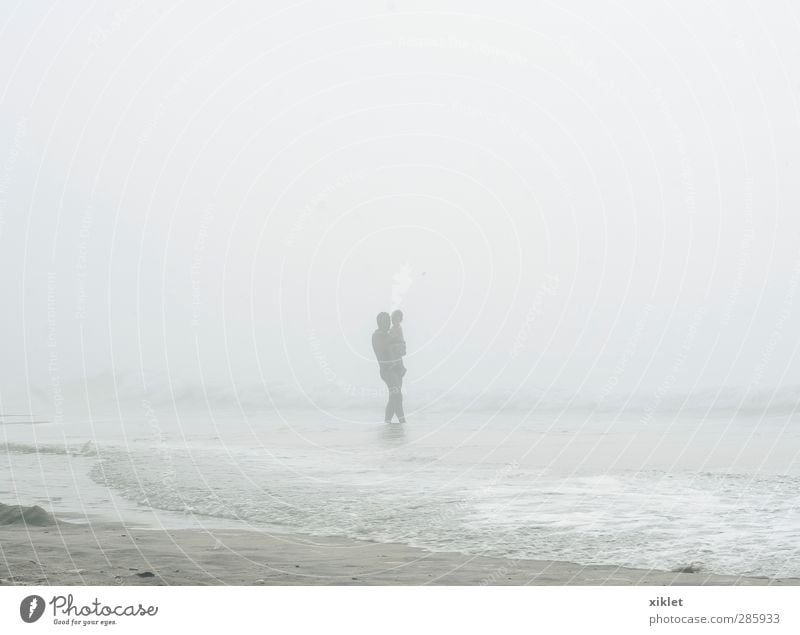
point(398, 396)
point(398, 405)
point(394, 381)
point(389, 413)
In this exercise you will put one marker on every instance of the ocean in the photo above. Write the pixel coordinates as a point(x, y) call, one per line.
point(719, 491)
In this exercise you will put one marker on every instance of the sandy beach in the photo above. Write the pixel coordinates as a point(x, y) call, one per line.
point(108, 554)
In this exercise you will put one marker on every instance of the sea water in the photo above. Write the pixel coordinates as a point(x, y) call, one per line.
point(653, 491)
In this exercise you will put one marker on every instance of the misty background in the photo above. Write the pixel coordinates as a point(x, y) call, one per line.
point(590, 204)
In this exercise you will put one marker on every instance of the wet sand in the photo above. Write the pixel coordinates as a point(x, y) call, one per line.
point(105, 554)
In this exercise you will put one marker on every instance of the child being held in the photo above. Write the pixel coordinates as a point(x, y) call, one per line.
point(397, 343)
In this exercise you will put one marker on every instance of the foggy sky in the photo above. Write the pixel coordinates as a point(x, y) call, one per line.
point(591, 199)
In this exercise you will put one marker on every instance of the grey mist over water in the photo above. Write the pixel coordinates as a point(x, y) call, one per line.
point(592, 205)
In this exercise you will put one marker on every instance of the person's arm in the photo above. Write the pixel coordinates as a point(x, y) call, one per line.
point(382, 346)
point(379, 346)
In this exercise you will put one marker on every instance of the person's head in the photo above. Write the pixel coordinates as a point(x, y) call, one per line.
point(384, 321)
point(397, 316)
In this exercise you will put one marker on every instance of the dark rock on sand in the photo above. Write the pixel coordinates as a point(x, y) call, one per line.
point(146, 574)
point(692, 567)
point(19, 514)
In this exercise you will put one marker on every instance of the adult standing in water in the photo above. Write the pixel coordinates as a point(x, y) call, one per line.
point(389, 353)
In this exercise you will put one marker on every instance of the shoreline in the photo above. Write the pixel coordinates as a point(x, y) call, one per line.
point(106, 554)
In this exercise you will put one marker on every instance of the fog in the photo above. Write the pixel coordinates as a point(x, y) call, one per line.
point(587, 203)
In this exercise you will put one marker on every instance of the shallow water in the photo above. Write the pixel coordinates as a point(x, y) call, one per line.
point(638, 491)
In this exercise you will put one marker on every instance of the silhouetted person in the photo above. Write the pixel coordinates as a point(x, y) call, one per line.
point(391, 367)
point(397, 342)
